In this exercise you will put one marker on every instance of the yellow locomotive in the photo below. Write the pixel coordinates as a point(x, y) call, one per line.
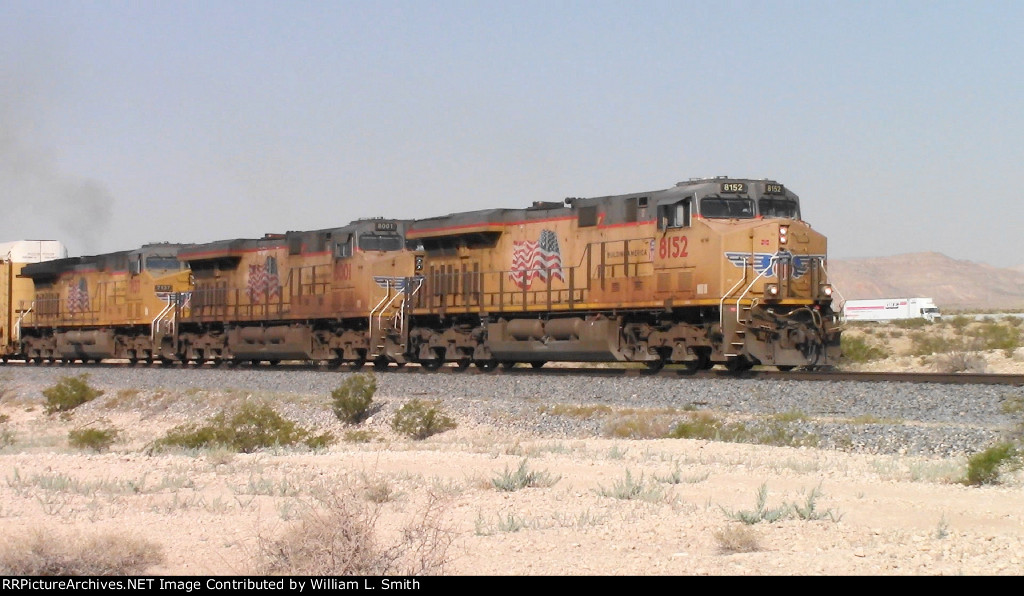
point(711, 271)
point(334, 295)
point(116, 305)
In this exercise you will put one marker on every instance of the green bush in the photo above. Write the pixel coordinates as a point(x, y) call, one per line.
point(248, 429)
point(985, 467)
point(926, 344)
point(97, 439)
point(420, 419)
point(351, 401)
point(859, 349)
point(69, 393)
point(996, 336)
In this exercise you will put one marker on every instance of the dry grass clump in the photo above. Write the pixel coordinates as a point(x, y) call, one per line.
point(46, 553)
point(341, 536)
point(737, 539)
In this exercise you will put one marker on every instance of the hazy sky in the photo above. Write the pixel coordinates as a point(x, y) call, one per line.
point(900, 124)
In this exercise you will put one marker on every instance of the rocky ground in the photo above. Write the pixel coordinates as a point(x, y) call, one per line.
point(599, 505)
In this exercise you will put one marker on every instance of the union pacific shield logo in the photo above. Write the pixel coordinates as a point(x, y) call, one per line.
point(764, 263)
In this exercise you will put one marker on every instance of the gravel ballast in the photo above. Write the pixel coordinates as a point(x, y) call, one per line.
point(871, 417)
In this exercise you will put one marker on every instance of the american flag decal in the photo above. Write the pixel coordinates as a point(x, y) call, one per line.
point(78, 296)
point(531, 260)
point(263, 281)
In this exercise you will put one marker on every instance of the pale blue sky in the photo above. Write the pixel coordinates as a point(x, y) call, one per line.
point(900, 124)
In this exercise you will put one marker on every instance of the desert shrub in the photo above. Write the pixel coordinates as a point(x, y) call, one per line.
point(925, 344)
point(960, 322)
point(699, 425)
point(641, 425)
point(986, 466)
point(631, 489)
point(352, 400)
point(43, 553)
point(911, 323)
point(359, 436)
point(249, 428)
point(420, 419)
point(859, 349)
point(761, 512)
point(523, 477)
point(96, 439)
point(737, 539)
point(69, 393)
point(339, 537)
point(995, 336)
point(960, 361)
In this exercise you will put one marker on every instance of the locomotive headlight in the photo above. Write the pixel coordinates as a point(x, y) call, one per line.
point(783, 234)
point(825, 290)
point(771, 290)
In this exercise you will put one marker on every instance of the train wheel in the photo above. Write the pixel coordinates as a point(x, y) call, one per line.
point(538, 363)
point(785, 367)
point(355, 365)
point(380, 363)
point(431, 364)
point(508, 365)
point(655, 365)
point(738, 364)
point(487, 365)
point(462, 364)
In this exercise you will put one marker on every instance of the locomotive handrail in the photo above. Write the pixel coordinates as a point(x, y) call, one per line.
point(721, 303)
point(771, 262)
point(159, 317)
point(17, 325)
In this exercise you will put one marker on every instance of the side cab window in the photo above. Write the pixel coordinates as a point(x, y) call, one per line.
point(675, 215)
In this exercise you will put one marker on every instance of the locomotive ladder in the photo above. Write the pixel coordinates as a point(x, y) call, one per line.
point(742, 311)
point(388, 316)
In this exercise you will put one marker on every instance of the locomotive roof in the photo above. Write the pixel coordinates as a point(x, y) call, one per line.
point(494, 220)
point(112, 261)
point(301, 241)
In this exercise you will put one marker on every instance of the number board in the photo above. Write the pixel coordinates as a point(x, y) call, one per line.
point(386, 226)
point(734, 187)
point(774, 189)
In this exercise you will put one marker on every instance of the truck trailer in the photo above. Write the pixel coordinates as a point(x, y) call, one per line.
point(891, 309)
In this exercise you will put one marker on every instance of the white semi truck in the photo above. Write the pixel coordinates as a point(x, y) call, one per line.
point(890, 309)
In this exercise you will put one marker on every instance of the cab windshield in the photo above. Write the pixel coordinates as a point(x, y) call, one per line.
point(162, 263)
point(380, 242)
point(778, 208)
point(729, 208)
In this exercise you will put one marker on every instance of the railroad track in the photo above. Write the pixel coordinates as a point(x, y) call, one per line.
point(612, 371)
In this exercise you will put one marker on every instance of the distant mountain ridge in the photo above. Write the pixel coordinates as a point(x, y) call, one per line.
point(952, 283)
